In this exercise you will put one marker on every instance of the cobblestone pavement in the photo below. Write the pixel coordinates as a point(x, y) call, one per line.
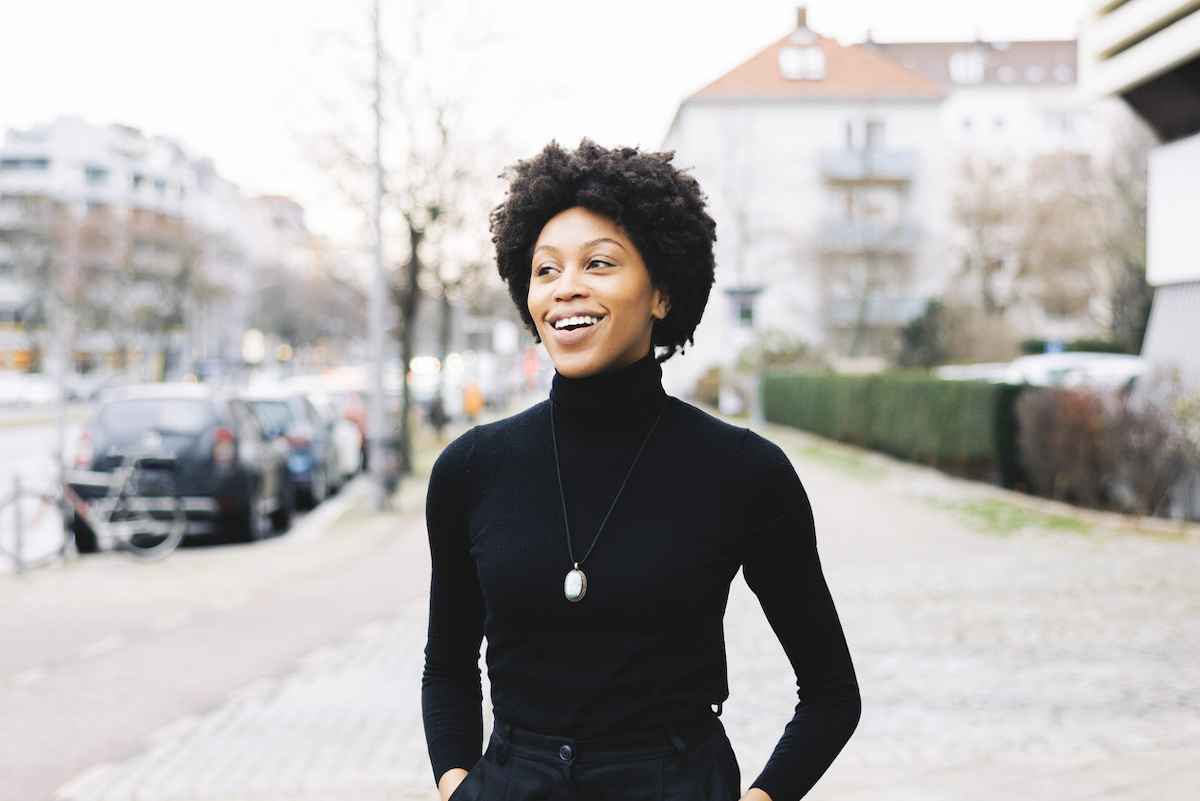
point(1004, 651)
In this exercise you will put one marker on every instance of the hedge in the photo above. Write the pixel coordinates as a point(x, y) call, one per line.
point(964, 427)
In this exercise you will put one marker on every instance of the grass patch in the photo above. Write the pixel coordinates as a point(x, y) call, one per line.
point(848, 462)
point(994, 516)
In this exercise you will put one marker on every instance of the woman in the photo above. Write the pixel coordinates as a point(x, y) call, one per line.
point(593, 537)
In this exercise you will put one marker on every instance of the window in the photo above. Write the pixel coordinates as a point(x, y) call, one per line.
point(1034, 74)
point(160, 186)
point(874, 135)
point(96, 176)
point(802, 63)
point(967, 67)
point(138, 182)
point(24, 164)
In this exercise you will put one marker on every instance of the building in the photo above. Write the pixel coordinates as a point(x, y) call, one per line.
point(151, 255)
point(1018, 105)
point(834, 174)
point(1147, 52)
point(823, 170)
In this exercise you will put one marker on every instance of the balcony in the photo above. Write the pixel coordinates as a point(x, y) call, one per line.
point(848, 236)
point(870, 165)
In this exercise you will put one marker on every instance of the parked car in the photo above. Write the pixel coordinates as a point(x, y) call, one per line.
point(312, 462)
point(346, 437)
point(1103, 370)
point(232, 477)
point(27, 389)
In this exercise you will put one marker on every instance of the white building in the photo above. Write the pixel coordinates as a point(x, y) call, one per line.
point(832, 172)
point(1147, 52)
point(116, 177)
point(1011, 103)
point(824, 171)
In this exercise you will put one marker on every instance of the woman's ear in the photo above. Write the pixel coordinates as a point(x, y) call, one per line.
point(662, 304)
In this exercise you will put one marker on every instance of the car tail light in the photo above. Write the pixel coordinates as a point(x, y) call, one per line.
point(224, 447)
point(299, 437)
point(85, 450)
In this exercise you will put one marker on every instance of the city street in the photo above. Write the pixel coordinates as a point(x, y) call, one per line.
point(1006, 650)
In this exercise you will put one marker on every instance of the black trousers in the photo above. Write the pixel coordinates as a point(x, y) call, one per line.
point(685, 763)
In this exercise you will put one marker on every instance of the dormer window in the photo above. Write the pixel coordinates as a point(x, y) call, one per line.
point(802, 63)
point(967, 67)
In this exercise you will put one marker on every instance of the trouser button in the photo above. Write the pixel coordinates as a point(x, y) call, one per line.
point(565, 753)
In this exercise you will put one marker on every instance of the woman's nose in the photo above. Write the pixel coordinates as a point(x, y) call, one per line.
point(570, 284)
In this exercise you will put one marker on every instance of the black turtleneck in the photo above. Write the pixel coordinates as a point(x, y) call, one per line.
point(645, 647)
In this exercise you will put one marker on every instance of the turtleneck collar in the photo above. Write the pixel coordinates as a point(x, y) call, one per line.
point(630, 389)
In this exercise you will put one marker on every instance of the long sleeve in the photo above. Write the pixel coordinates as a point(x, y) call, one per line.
point(781, 566)
point(451, 692)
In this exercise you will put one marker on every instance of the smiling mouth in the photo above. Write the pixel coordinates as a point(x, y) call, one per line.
point(572, 323)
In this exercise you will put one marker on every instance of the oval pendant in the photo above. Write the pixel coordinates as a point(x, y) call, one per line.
point(575, 586)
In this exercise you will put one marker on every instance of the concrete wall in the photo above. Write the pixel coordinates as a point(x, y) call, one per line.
point(1172, 229)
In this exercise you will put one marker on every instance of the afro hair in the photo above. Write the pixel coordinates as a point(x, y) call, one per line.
point(659, 208)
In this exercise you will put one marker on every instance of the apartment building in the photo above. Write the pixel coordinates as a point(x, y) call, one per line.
point(1147, 53)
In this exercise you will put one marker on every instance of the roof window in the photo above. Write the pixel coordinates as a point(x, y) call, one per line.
point(966, 67)
point(802, 63)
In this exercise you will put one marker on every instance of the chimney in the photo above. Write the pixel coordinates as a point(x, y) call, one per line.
point(801, 17)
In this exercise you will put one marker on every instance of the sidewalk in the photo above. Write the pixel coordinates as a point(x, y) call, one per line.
point(1005, 651)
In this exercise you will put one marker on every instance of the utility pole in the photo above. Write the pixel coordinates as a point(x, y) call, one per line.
point(377, 428)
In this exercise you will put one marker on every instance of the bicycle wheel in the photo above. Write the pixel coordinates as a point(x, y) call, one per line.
point(147, 527)
point(32, 529)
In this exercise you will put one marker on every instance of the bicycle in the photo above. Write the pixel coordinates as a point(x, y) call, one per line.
point(140, 513)
point(31, 516)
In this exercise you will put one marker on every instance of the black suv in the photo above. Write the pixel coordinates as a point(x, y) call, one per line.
point(231, 476)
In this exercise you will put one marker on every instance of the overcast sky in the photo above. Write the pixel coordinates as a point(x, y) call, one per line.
point(254, 83)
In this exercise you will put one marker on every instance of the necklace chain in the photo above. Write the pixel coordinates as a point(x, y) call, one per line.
point(563, 495)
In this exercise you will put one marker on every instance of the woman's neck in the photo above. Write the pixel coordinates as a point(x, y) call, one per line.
point(629, 391)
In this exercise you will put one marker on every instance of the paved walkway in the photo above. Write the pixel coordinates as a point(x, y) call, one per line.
point(1004, 652)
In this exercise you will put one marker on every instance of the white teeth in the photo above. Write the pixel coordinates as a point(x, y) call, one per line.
point(569, 321)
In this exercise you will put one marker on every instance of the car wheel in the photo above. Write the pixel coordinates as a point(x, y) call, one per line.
point(250, 525)
point(281, 518)
point(85, 538)
point(318, 488)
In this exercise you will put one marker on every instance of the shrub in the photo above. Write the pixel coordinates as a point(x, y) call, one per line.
point(925, 341)
point(1063, 446)
point(958, 426)
point(1105, 451)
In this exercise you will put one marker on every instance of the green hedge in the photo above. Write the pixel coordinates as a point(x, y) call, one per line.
point(966, 427)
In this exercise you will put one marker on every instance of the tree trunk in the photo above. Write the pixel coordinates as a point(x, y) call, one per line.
point(408, 313)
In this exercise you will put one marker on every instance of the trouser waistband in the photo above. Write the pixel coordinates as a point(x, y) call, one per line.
point(633, 747)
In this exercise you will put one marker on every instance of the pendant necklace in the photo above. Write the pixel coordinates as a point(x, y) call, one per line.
point(576, 583)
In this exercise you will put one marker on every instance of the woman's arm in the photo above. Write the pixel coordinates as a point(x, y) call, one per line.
point(451, 692)
point(781, 566)
point(450, 781)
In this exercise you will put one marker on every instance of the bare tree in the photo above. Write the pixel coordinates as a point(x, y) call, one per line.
point(1120, 196)
point(434, 174)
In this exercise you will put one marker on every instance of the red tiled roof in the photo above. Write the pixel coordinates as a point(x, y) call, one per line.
point(850, 72)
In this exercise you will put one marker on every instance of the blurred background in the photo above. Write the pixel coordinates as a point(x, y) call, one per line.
point(960, 233)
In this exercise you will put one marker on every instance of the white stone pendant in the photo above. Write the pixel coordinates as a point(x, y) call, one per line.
point(575, 586)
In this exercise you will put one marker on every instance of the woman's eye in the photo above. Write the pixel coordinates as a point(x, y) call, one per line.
point(544, 269)
point(599, 263)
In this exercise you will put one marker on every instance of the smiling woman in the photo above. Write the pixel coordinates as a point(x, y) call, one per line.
point(590, 295)
point(592, 538)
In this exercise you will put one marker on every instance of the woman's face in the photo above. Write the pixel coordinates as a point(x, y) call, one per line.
point(590, 295)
